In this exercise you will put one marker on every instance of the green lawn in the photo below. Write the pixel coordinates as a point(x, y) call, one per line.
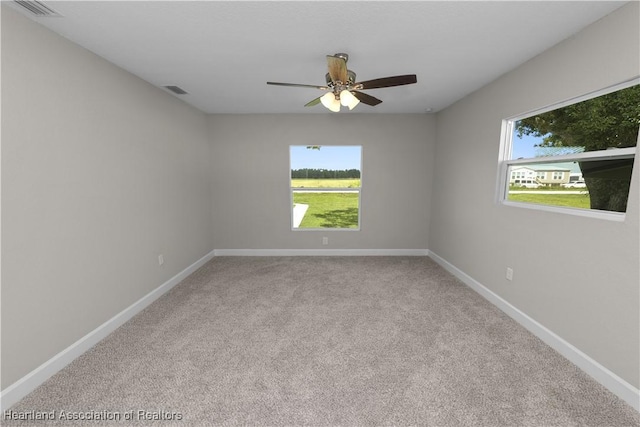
point(543, 188)
point(325, 183)
point(568, 200)
point(329, 210)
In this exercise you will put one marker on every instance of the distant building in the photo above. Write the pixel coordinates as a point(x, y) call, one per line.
point(552, 175)
point(545, 174)
point(521, 175)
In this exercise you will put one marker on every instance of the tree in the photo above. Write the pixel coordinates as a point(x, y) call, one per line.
point(605, 122)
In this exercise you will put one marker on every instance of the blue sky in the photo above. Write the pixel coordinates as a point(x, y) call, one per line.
point(348, 157)
point(525, 146)
point(327, 157)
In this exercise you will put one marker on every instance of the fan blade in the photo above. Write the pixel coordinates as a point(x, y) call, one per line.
point(388, 82)
point(297, 85)
point(337, 69)
point(313, 102)
point(366, 99)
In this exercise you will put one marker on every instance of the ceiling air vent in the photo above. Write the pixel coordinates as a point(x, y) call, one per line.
point(36, 8)
point(177, 90)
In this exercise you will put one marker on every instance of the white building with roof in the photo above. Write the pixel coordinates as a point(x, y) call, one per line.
point(545, 174)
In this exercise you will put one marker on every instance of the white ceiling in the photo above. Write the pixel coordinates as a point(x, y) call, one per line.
point(223, 53)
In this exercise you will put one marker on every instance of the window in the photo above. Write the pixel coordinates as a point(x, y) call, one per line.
point(581, 152)
point(325, 186)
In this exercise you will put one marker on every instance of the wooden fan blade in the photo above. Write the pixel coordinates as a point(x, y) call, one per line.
point(297, 85)
point(313, 102)
point(406, 79)
point(337, 68)
point(366, 99)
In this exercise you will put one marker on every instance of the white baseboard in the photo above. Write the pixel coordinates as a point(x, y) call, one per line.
point(321, 252)
point(604, 376)
point(33, 379)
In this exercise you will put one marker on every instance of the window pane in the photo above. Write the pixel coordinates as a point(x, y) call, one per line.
point(325, 185)
point(605, 127)
point(325, 166)
point(335, 209)
point(605, 122)
point(589, 184)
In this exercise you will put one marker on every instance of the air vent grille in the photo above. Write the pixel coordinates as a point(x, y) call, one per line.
point(36, 8)
point(177, 90)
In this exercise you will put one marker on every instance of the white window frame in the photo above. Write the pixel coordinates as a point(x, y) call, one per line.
point(327, 190)
point(505, 161)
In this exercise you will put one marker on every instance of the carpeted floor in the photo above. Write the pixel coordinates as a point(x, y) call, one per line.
point(324, 341)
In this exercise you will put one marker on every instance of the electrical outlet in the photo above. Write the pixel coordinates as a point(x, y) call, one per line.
point(160, 259)
point(325, 240)
point(509, 273)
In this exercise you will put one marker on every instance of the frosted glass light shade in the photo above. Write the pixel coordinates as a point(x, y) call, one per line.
point(348, 99)
point(329, 100)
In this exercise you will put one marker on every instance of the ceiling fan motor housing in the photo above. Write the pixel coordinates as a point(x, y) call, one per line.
point(338, 87)
point(351, 79)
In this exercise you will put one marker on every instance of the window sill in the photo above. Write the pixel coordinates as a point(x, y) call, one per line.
point(589, 213)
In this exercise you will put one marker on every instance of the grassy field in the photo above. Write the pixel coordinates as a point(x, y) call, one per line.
point(329, 210)
point(568, 200)
point(325, 183)
point(545, 188)
point(340, 210)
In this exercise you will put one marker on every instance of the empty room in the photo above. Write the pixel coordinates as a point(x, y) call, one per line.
point(320, 213)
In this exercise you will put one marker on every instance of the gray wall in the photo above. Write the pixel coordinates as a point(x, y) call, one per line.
point(250, 172)
point(577, 276)
point(101, 172)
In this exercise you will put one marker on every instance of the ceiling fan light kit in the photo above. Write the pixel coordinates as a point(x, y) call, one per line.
point(330, 101)
point(348, 99)
point(343, 88)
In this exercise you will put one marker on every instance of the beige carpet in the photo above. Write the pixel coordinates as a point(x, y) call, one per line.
point(324, 341)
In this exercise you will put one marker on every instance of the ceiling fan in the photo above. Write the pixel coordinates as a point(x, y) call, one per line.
point(342, 86)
